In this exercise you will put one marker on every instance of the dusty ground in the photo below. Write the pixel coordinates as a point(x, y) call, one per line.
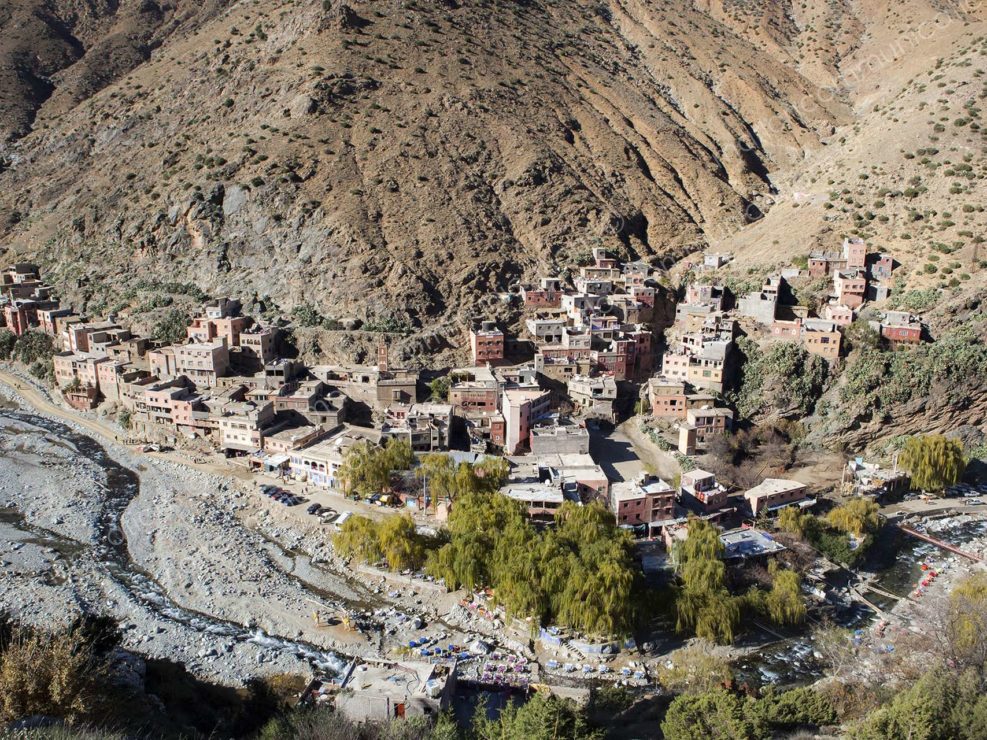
point(214, 547)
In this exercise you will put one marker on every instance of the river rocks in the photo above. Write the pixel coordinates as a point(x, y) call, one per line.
point(169, 534)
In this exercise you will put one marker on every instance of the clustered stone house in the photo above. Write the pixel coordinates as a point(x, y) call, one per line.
point(226, 382)
point(586, 340)
point(701, 343)
point(583, 341)
point(601, 327)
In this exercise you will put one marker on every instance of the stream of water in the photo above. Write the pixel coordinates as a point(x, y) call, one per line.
point(122, 486)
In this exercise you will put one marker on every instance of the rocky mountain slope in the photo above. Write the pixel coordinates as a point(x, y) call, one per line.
point(402, 162)
point(391, 160)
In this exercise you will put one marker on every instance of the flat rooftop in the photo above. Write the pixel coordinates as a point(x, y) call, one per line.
point(772, 486)
point(744, 543)
point(398, 678)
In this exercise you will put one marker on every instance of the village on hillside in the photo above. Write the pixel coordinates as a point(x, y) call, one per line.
point(597, 399)
point(586, 353)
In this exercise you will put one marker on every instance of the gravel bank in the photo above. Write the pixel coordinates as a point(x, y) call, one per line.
point(200, 576)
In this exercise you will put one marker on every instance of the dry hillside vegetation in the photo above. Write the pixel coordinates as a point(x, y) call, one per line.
point(397, 161)
point(403, 162)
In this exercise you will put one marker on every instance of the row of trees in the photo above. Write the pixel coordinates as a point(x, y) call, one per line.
point(704, 605)
point(368, 468)
point(34, 349)
point(720, 713)
point(580, 573)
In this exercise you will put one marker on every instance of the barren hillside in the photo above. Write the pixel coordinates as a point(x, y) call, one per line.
point(397, 160)
point(401, 162)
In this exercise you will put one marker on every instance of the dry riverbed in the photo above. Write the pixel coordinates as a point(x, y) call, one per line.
point(196, 566)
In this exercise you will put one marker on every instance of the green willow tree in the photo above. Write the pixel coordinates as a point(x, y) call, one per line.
point(367, 468)
point(357, 538)
point(933, 461)
point(444, 479)
point(393, 539)
point(857, 517)
point(703, 605)
point(783, 603)
point(792, 520)
point(581, 573)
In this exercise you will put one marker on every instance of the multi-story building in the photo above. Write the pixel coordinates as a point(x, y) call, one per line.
point(425, 426)
point(258, 346)
point(20, 315)
point(594, 285)
point(546, 294)
point(593, 397)
point(671, 399)
point(522, 408)
point(376, 387)
point(80, 368)
point(241, 426)
point(204, 329)
point(762, 305)
point(855, 253)
point(202, 362)
point(579, 306)
point(546, 331)
point(839, 315)
point(709, 421)
point(667, 397)
point(702, 488)
point(77, 337)
point(576, 476)
point(49, 318)
point(819, 336)
point(704, 294)
point(156, 406)
point(647, 501)
point(312, 399)
point(560, 437)
point(882, 267)
point(108, 375)
point(130, 350)
point(824, 264)
point(850, 288)
point(19, 273)
point(900, 328)
point(473, 389)
point(774, 493)
point(318, 464)
point(486, 343)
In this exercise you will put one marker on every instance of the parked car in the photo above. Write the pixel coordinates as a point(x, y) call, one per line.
point(314, 508)
point(974, 502)
point(342, 518)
